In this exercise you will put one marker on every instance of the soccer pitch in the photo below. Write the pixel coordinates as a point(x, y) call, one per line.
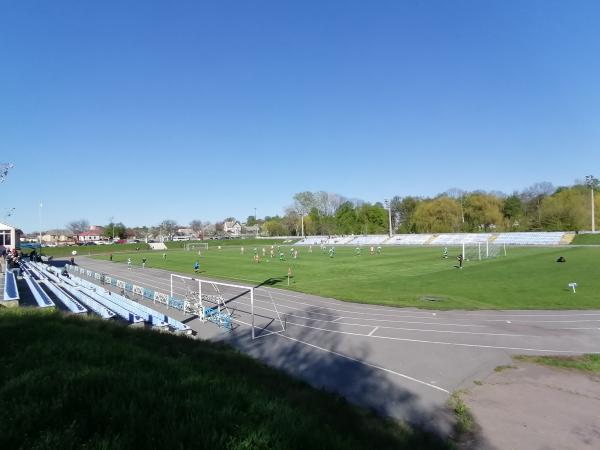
point(527, 278)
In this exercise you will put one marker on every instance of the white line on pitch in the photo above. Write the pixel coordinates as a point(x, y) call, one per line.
point(373, 331)
point(335, 320)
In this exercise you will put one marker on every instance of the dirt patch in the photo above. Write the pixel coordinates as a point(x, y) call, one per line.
point(536, 407)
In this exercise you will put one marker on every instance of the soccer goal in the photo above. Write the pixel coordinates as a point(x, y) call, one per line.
point(482, 250)
point(196, 246)
point(221, 303)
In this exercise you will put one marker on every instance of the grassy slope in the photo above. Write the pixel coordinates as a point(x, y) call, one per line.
point(529, 278)
point(586, 239)
point(70, 382)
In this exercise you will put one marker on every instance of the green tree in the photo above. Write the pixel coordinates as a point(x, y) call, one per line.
point(346, 219)
point(437, 216)
point(568, 209)
point(483, 212)
point(120, 230)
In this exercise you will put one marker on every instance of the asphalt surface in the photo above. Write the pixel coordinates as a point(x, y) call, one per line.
point(402, 363)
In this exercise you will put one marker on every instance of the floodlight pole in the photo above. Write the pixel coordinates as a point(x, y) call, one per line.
point(388, 205)
point(40, 224)
point(592, 182)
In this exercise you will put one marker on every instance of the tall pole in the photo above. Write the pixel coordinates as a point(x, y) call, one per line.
point(302, 216)
point(256, 222)
point(388, 204)
point(593, 212)
point(592, 182)
point(40, 223)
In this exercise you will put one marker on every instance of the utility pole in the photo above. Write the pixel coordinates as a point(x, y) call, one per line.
point(388, 205)
point(592, 182)
point(112, 222)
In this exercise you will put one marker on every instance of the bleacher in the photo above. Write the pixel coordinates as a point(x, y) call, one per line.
point(443, 239)
point(325, 240)
point(10, 291)
point(409, 239)
point(374, 239)
point(530, 238)
point(460, 238)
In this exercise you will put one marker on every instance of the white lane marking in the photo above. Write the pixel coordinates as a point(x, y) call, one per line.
point(398, 374)
point(387, 327)
point(373, 331)
point(334, 320)
point(583, 328)
point(498, 347)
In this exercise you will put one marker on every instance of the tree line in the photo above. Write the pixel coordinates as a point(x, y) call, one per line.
point(540, 207)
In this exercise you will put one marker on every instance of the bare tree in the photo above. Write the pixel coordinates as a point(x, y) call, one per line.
point(78, 226)
point(168, 228)
point(197, 226)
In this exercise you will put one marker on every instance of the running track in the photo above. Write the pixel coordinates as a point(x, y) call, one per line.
point(400, 362)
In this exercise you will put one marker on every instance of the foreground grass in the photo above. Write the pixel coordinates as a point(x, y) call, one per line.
point(528, 278)
point(70, 382)
point(585, 363)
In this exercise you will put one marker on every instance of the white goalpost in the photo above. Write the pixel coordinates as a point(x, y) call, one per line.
point(216, 302)
point(196, 246)
point(482, 250)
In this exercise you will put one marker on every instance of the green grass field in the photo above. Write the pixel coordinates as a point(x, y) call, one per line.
point(528, 278)
point(74, 383)
point(586, 239)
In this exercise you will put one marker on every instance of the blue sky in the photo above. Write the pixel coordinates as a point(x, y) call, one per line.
point(200, 110)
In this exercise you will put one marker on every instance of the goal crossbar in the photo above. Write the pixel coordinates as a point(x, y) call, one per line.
point(206, 299)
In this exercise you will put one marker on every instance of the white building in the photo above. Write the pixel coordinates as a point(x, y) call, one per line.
point(232, 228)
point(10, 237)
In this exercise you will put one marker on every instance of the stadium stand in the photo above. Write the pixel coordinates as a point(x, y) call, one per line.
point(72, 305)
point(530, 238)
point(460, 238)
point(409, 239)
point(374, 239)
point(121, 305)
point(42, 299)
point(10, 290)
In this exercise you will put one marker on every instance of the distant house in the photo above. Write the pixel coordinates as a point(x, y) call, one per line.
point(10, 237)
point(232, 228)
point(251, 229)
point(93, 235)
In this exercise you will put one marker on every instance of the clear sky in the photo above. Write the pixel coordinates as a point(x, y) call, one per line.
point(152, 110)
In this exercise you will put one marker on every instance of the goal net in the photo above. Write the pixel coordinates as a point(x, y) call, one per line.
point(482, 250)
point(196, 246)
point(223, 304)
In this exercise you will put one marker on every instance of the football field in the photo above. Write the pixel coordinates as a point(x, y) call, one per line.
point(527, 278)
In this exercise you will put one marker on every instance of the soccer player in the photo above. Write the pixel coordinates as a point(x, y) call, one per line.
point(357, 251)
point(379, 249)
point(242, 250)
point(295, 254)
point(310, 249)
point(460, 261)
point(165, 255)
point(264, 250)
point(445, 253)
point(331, 252)
point(143, 263)
point(255, 250)
point(196, 266)
point(281, 256)
point(372, 250)
point(129, 263)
